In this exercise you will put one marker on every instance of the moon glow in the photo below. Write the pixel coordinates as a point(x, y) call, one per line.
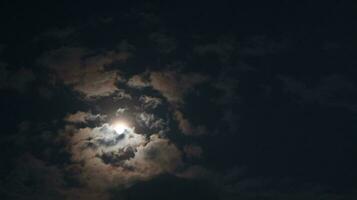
point(120, 127)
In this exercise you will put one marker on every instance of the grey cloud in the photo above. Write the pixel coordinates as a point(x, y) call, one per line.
point(118, 157)
point(150, 121)
point(109, 141)
point(156, 157)
point(150, 102)
point(121, 94)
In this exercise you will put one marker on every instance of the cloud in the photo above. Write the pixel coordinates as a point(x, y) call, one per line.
point(186, 127)
point(174, 85)
point(103, 159)
point(83, 117)
point(198, 172)
point(56, 33)
point(164, 43)
point(46, 181)
point(230, 118)
point(121, 94)
point(120, 111)
point(223, 48)
point(150, 102)
point(83, 70)
point(333, 90)
point(229, 87)
point(149, 121)
point(90, 148)
point(192, 151)
point(262, 45)
point(138, 81)
point(156, 157)
point(18, 80)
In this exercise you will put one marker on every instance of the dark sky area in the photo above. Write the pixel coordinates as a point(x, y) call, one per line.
point(121, 100)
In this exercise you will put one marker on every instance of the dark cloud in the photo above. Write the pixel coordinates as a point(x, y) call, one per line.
point(223, 48)
point(164, 43)
point(192, 151)
point(262, 45)
point(56, 33)
point(18, 80)
point(333, 90)
point(35, 179)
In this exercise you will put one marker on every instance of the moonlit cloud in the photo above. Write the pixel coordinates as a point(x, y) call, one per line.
point(150, 102)
point(186, 127)
point(109, 159)
point(150, 121)
point(85, 72)
point(83, 117)
point(121, 94)
point(100, 157)
point(156, 157)
point(138, 81)
point(120, 111)
point(174, 85)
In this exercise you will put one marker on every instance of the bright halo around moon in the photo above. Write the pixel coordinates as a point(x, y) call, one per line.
point(120, 127)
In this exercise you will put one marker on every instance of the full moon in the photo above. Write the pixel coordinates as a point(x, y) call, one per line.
point(120, 127)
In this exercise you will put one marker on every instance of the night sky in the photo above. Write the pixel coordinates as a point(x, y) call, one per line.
point(253, 100)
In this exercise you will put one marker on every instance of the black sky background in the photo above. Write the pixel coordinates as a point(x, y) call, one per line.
point(287, 68)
